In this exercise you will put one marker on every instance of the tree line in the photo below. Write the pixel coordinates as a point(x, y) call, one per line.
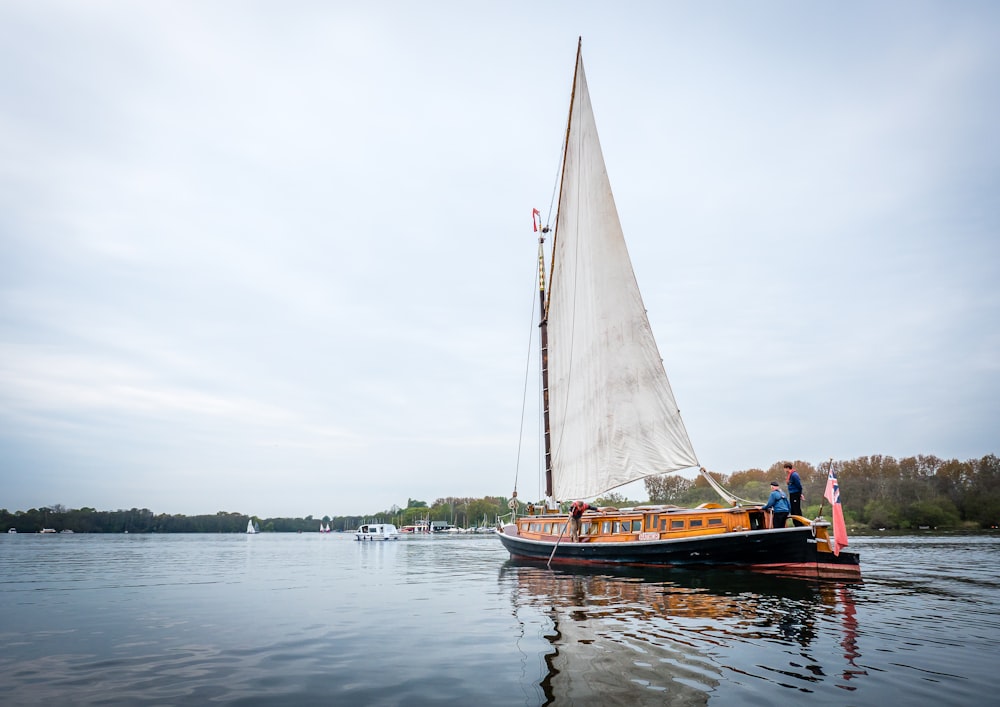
point(141, 520)
point(876, 492)
point(461, 512)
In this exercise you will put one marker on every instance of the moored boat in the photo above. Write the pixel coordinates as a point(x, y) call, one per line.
point(609, 412)
point(419, 527)
point(377, 531)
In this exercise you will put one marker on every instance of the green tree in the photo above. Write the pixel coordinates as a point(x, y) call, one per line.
point(615, 499)
point(930, 514)
point(881, 514)
point(667, 488)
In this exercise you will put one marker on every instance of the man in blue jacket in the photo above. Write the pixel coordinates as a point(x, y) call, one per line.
point(778, 504)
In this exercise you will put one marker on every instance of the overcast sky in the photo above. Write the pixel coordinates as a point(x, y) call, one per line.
point(277, 258)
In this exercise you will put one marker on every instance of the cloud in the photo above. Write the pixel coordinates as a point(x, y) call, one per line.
point(279, 261)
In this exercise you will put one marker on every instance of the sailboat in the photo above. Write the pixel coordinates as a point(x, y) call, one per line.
point(252, 528)
point(610, 416)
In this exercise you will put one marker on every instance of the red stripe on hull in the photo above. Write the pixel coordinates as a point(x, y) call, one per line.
point(821, 570)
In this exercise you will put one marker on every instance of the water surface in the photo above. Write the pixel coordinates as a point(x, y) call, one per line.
point(293, 619)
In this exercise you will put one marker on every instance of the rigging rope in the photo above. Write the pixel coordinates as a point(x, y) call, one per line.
point(726, 495)
point(555, 186)
point(527, 372)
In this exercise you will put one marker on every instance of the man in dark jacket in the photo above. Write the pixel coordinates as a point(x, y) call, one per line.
point(794, 490)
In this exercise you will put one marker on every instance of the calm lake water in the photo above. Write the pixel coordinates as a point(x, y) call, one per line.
point(322, 619)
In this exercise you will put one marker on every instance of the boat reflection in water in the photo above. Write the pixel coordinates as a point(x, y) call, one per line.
point(684, 636)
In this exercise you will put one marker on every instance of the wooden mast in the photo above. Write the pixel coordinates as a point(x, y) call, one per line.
point(544, 334)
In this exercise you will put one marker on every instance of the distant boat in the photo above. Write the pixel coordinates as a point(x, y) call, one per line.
point(252, 528)
point(377, 531)
point(419, 527)
point(610, 417)
point(46, 531)
point(12, 530)
point(323, 528)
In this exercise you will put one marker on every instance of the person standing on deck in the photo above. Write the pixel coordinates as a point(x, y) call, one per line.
point(794, 491)
point(575, 514)
point(778, 504)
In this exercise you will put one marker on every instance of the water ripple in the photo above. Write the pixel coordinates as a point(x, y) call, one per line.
point(272, 619)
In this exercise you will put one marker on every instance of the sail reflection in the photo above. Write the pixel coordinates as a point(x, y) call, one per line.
point(684, 636)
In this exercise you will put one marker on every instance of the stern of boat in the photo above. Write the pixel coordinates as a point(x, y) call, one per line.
point(845, 564)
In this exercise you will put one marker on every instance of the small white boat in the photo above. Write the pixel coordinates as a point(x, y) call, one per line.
point(12, 530)
point(377, 531)
point(252, 529)
point(46, 531)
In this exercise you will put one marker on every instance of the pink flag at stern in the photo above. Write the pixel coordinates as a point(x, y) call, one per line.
point(832, 495)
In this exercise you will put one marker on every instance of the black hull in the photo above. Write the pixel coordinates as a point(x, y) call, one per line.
point(783, 551)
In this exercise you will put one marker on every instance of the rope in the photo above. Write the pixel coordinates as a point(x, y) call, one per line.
point(527, 373)
point(723, 493)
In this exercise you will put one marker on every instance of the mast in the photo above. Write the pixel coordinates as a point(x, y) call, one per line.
point(562, 172)
point(544, 334)
point(541, 283)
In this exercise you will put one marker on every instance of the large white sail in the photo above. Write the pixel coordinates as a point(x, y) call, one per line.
point(613, 418)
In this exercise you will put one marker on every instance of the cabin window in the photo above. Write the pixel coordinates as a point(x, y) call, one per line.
point(676, 524)
point(535, 527)
point(585, 529)
point(606, 526)
point(547, 528)
point(715, 521)
point(663, 525)
point(696, 523)
point(651, 522)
